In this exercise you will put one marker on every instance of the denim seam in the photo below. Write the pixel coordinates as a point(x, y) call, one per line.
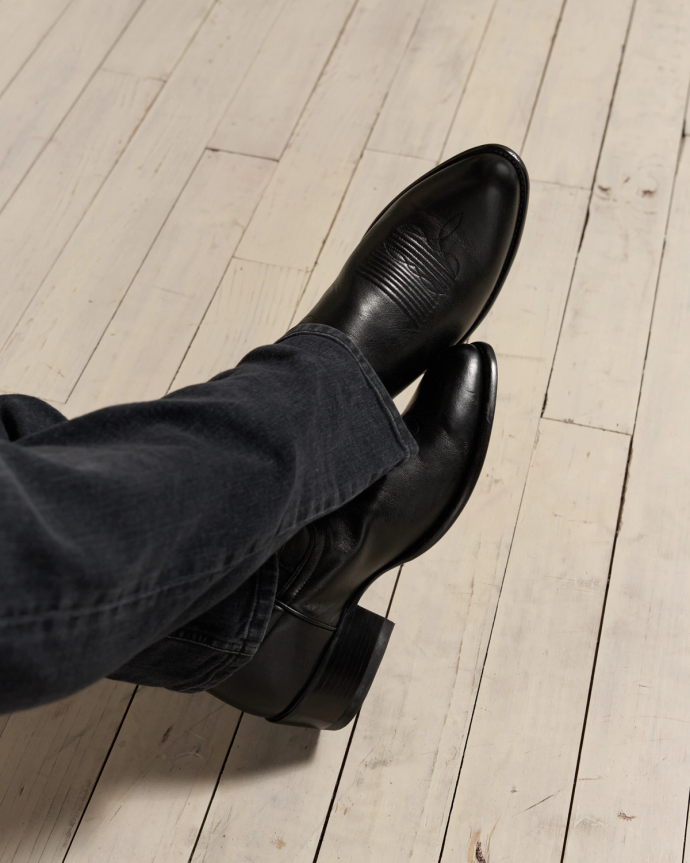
point(83, 612)
point(228, 650)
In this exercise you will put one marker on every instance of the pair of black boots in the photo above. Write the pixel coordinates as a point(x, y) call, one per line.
point(421, 280)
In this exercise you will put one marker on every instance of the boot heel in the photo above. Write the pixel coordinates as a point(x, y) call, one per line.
point(341, 682)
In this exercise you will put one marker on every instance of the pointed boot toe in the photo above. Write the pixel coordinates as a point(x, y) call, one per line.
point(431, 265)
point(322, 650)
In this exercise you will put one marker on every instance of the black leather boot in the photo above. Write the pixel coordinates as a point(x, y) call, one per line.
point(322, 650)
point(430, 267)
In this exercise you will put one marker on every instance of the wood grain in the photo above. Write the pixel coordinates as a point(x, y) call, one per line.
point(157, 37)
point(253, 306)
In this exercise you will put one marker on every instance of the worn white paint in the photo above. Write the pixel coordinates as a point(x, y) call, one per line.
point(131, 233)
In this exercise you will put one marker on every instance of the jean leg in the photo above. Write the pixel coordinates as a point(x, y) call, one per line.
point(24, 415)
point(121, 527)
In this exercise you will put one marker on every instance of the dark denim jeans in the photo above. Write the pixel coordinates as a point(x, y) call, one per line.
point(138, 541)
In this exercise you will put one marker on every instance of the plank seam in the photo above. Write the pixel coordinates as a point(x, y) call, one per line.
point(138, 269)
point(589, 202)
point(336, 42)
point(100, 773)
point(596, 655)
point(84, 214)
point(37, 46)
point(233, 257)
point(240, 153)
point(685, 838)
point(215, 788)
point(480, 44)
point(584, 426)
point(77, 98)
point(544, 71)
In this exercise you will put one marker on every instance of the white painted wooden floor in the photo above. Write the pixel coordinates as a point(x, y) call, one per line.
point(179, 180)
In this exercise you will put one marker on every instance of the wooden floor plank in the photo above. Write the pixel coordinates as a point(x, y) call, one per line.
point(157, 782)
point(277, 784)
point(157, 37)
point(48, 85)
point(631, 797)
point(424, 96)
point(264, 112)
point(596, 376)
point(570, 115)
point(23, 25)
point(43, 213)
point(402, 767)
point(513, 796)
point(500, 94)
point(298, 208)
point(48, 350)
point(175, 285)
point(50, 759)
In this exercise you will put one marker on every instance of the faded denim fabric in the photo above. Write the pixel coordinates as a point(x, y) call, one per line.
point(138, 541)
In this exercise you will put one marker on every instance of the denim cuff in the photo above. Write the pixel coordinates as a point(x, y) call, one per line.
point(389, 411)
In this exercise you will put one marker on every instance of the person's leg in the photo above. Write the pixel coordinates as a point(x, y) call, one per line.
point(21, 416)
point(123, 526)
